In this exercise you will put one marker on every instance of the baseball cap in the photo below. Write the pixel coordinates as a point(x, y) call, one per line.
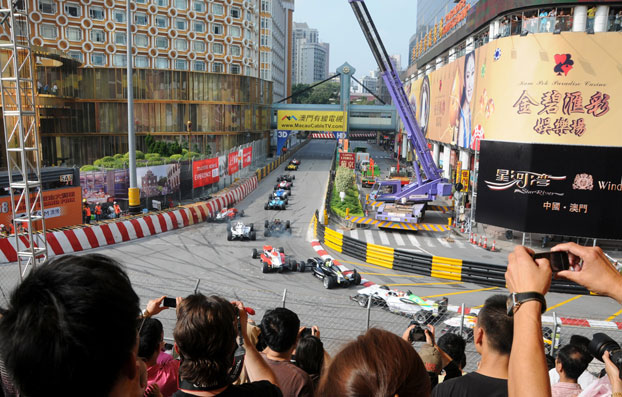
point(431, 358)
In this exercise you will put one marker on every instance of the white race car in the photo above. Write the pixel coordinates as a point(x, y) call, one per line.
point(239, 231)
point(404, 303)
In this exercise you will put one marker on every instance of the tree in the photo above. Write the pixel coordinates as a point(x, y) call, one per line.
point(302, 97)
point(324, 93)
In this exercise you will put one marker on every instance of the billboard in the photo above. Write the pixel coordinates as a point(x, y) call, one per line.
point(247, 157)
point(61, 207)
point(158, 180)
point(205, 172)
point(234, 165)
point(309, 120)
point(551, 189)
point(347, 160)
point(541, 88)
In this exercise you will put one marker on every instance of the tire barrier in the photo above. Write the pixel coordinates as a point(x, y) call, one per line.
point(485, 274)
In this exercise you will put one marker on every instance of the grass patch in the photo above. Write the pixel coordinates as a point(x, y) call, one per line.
point(350, 201)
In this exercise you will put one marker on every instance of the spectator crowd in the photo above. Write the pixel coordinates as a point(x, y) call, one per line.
point(74, 327)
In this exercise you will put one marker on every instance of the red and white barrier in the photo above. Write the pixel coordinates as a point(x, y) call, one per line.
point(323, 135)
point(80, 239)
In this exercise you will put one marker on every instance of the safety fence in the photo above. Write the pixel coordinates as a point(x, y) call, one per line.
point(435, 266)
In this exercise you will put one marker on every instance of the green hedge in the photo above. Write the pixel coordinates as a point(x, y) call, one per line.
point(345, 180)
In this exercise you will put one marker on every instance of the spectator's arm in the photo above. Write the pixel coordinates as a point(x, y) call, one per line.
point(406, 334)
point(528, 372)
point(613, 373)
point(155, 306)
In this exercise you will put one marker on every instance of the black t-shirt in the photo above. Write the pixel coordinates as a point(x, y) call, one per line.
point(260, 389)
point(472, 385)
point(452, 370)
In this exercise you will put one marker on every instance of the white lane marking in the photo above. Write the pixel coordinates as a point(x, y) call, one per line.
point(369, 237)
point(459, 244)
point(398, 238)
point(413, 240)
point(384, 238)
point(354, 233)
point(443, 242)
point(430, 243)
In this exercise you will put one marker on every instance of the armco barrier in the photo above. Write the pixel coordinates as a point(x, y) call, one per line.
point(435, 266)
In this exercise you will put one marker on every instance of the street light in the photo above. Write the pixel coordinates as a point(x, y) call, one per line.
point(189, 129)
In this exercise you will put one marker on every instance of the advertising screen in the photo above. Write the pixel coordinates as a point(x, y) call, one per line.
point(204, 172)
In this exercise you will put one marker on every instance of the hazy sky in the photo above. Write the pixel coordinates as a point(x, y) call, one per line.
point(337, 25)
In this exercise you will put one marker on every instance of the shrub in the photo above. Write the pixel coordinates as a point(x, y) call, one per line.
point(344, 179)
point(89, 167)
point(152, 156)
point(118, 156)
point(351, 201)
point(107, 159)
point(175, 157)
point(139, 155)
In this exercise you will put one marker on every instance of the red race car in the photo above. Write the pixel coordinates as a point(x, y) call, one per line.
point(226, 215)
point(273, 259)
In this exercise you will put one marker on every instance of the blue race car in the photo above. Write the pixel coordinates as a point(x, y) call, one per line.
point(275, 204)
point(280, 194)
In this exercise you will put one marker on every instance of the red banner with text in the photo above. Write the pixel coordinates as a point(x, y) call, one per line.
point(234, 165)
point(247, 156)
point(204, 172)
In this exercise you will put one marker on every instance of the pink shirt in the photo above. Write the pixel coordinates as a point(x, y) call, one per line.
point(564, 389)
point(166, 376)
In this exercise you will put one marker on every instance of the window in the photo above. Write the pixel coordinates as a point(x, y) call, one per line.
point(218, 9)
point(96, 13)
point(236, 50)
point(140, 18)
point(217, 28)
point(265, 5)
point(119, 60)
point(141, 1)
point(98, 36)
point(181, 4)
point(217, 67)
point(48, 31)
point(73, 10)
point(198, 26)
point(162, 3)
point(181, 24)
point(235, 12)
point(181, 64)
point(98, 59)
point(161, 21)
point(198, 46)
point(140, 40)
point(235, 31)
point(161, 42)
point(47, 6)
point(235, 69)
point(198, 5)
point(77, 55)
point(217, 48)
point(118, 16)
point(141, 61)
point(181, 44)
point(74, 34)
point(120, 38)
point(161, 63)
point(198, 66)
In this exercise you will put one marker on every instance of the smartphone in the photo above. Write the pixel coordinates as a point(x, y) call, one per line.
point(559, 260)
point(169, 302)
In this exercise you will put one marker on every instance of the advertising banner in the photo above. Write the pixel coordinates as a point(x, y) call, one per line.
point(281, 139)
point(61, 207)
point(309, 120)
point(158, 180)
point(247, 156)
point(566, 190)
point(205, 172)
point(104, 186)
point(541, 89)
point(347, 160)
point(233, 162)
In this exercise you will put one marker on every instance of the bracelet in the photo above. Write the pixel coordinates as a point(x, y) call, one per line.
point(146, 313)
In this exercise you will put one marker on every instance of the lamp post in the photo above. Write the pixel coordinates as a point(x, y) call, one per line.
point(189, 129)
point(133, 191)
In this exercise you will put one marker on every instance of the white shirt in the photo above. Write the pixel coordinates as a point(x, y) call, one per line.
point(584, 380)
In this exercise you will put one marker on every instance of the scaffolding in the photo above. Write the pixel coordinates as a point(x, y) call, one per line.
point(23, 154)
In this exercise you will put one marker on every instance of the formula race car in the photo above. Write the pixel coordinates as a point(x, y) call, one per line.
point(239, 231)
point(226, 215)
point(404, 303)
point(273, 259)
point(286, 177)
point(331, 275)
point(280, 194)
point(276, 228)
point(292, 167)
point(294, 161)
point(275, 204)
point(284, 185)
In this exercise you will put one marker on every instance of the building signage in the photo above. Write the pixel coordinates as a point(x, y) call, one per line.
point(464, 180)
point(281, 139)
point(347, 160)
point(205, 172)
point(233, 161)
point(308, 120)
point(247, 156)
point(551, 189)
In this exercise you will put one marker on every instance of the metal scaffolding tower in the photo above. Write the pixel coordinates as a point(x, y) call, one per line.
point(17, 88)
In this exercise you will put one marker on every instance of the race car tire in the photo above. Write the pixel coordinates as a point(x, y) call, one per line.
point(255, 253)
point(291, 264)
point(287, 225)
point(241, 213)
point(265, 268)
point(265, 207)
point(422, 317)
point(229, 235)
point(252, 226)
point(280, 269)
point(293, 177)
point(329, 282)
point(362, 300)
point(253, 235)
point(301, 267)
point(270, 197)
point(276, 187)
point(281, 250)
point(357, 278)
point(286, 201)
point(266, 233)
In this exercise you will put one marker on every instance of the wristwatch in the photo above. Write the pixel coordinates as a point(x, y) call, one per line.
point(516, 299)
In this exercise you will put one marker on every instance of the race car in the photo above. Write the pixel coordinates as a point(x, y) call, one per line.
point(404, 303)
point(239, 231)
point(273, 259)
point(285, 177)
point(275, 204)
point(226, 215)
point(294, 161)
point(280, 194)
point(331, 275)
point(292, 166)
point(276, 228)
point(284, 185)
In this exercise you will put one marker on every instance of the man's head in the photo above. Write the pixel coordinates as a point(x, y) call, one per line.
point(71, 326)
point(571, 361)
point(454, 345)
point(151, 334)
point(494, 326)
point(205, 338)
point(279, 329)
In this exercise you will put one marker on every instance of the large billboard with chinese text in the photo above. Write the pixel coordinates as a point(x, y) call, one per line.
point(310, 120)
point(547, 88)
point(61, 208)
point(551, 189)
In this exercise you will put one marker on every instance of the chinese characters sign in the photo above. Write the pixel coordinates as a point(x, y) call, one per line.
point(247, 156)
point(234, 165)
point(347, 160)
point(61, 207)
point(303, 120)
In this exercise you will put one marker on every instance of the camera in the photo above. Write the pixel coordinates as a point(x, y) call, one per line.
point(600, 343)
point(558, 260)
point(306, 331)
point(417, 334)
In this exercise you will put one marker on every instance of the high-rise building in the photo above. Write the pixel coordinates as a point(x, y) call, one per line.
point(311, 57)
point(276, 38)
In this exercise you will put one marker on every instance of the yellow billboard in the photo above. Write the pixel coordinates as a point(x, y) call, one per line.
point(309, 120)
point(540, 88)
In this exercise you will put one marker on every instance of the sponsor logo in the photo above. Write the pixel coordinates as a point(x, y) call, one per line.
point(563, 64)
point(289, 118)
point(583, 182)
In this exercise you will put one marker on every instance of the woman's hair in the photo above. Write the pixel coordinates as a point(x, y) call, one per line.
point(377, 364)
point(310, 354)
point(464, 71)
